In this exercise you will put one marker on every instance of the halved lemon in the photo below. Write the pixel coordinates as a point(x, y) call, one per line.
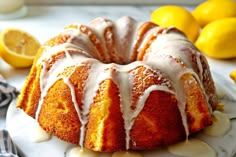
point(18, 48)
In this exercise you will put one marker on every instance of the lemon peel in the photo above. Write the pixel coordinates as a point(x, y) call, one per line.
point(18, 47)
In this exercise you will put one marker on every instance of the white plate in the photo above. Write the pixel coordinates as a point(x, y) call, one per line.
point(19, 124)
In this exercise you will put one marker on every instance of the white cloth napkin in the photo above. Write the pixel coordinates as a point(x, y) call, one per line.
point(7, 92)
point(7, 147)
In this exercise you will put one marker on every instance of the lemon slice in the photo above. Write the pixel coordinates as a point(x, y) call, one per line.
point(18, 48)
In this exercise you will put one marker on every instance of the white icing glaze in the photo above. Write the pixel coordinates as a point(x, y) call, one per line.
point(155, 59)
point(98, 71)
point(179, 47)
point(126, 31)
point(53, 74)
point(38, 134)
point(174, 74)
point(126, 101)
point(79, 152)
point(221, 125)
point(192, 148)
point(127, 154)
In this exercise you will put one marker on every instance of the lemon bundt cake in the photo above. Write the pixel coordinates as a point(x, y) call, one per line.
point(117, 85)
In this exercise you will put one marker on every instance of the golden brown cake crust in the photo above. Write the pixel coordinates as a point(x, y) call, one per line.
point(99, 100)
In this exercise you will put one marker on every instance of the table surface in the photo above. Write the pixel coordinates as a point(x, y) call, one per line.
point(45, 22)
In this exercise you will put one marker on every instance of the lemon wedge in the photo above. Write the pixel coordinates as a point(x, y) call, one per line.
point(18, 48)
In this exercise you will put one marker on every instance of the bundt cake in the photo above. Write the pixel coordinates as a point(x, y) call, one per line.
point(119, 85)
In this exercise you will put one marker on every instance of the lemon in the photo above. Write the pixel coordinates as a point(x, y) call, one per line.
point(212, 10)
point(233, 75)
point(179, 17)
point(17, 47)
point(218, 39)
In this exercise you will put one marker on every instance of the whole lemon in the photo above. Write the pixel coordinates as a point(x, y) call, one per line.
point(179, 17)
point(212, 10)
point(218, 39)
point(233, 75)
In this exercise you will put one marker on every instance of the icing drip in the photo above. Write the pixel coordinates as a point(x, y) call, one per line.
point(49, 77)
point(126, 31)
point(126, 154)
point(174, 73)
point(221, 125)
point(192, 148)
point(126, 101)
point(129, 114)
point(38, 134)
point(91, 86)
point(177, 46)
point(81, 152)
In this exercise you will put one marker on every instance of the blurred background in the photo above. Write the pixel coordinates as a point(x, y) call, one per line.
point(114, 2)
